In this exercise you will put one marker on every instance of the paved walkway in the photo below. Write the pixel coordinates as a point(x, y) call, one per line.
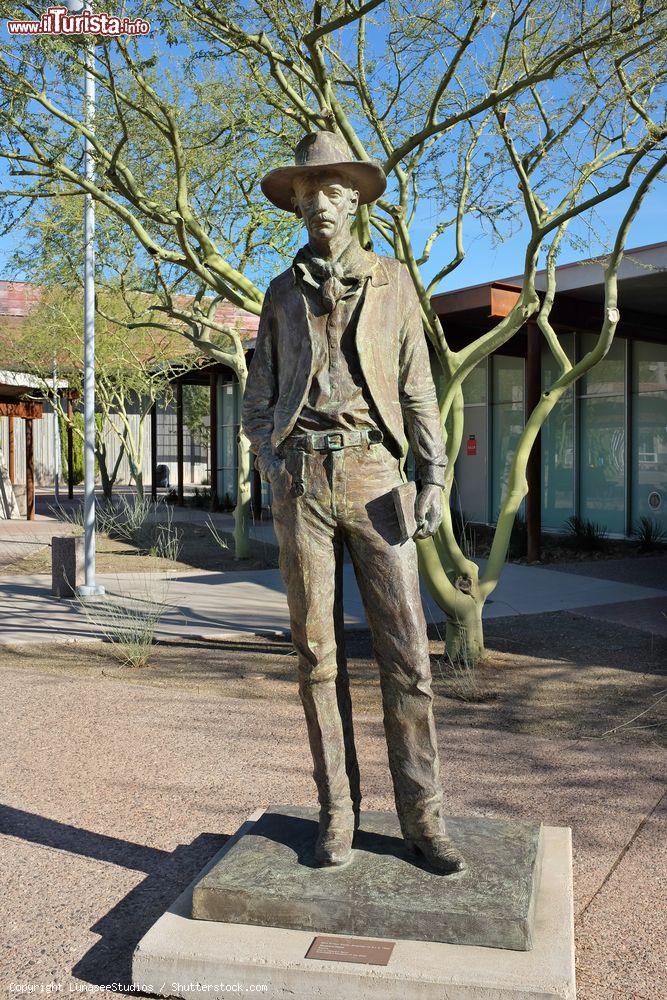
point(22, 538)
point(217, 605)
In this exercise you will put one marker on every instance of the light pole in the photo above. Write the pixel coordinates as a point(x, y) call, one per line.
point(56, 434)
point(90, 587)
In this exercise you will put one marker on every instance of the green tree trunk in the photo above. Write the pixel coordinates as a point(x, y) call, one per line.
point(464, 636)
point(139, 483)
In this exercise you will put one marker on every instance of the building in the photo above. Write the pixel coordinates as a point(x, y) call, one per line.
point(30, 448)
point(602, 453)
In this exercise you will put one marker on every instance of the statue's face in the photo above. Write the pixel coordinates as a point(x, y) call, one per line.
point(326, 202)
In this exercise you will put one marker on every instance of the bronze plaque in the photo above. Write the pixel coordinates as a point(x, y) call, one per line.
point(340, 949)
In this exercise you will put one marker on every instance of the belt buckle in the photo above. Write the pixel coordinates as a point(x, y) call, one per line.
point(334, 445)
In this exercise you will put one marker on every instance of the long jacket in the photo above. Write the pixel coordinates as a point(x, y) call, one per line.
point(392, 353)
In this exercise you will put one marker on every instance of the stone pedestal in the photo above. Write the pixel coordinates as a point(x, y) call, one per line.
point(270, 878)
point(67, 564)
point(179, 952)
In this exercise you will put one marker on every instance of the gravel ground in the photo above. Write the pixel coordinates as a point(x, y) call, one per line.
point(119, 785)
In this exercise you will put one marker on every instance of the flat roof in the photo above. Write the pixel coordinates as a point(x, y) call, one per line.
point(642, 279)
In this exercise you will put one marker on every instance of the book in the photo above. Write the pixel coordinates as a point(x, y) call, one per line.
point(405, 497)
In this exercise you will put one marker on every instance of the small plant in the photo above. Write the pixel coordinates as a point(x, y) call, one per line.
point(460, 680)
point(585, 534)
point(126, 518)
point(129, 622)
point(649, 534)
point(219, 539)
point(167, 543)
point(460, 675)
point(72, 517)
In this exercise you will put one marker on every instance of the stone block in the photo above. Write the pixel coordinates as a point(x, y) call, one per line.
point(67, 564)
point(269, 878)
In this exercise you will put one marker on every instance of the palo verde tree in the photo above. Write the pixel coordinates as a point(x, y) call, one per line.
point(131, 373)
point(525, 116)
point(148, 332)
point(172, 151)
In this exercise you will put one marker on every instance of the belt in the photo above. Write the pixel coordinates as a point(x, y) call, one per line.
point(332, 440)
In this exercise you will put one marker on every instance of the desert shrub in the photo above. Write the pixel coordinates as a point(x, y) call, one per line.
point(128, 621)
point(649, 534)
point(585, 534)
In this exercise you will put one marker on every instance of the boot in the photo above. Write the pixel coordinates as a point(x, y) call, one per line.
point(333, 846)
point(438, 852)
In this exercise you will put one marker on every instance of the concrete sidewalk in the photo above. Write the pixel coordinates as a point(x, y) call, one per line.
point(19, 538)
point(216, 605)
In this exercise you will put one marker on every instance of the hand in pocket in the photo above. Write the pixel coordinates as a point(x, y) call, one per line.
point(281, 482)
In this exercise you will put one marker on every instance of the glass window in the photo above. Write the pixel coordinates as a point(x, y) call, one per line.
point(507, 422)
point(602, 439)
point(602, 480)
point(507, 379)
point(649, 433)
point(557, 445)
point(607, 378)
point(229, 420)
point(649, 367)
point(474, 386)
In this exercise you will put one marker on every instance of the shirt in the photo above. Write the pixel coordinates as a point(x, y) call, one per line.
point(338, 398)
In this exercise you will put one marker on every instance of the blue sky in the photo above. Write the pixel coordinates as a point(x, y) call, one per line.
point(487, 261)
point(486, 257)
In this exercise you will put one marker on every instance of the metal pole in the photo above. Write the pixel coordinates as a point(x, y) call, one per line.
point(179, 442)
point(90, 587)
point(70, 448)
point(56, 435)
point(29, 470)
point(154, 451)
point(213, 439)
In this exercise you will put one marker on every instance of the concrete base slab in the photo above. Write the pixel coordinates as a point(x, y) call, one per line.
point(182, 957)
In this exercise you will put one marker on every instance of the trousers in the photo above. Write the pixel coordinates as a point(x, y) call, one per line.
point(348, 502)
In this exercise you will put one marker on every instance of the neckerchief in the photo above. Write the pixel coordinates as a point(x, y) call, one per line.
point(334, 279)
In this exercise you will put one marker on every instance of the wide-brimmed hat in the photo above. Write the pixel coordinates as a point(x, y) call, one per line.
point(320, 151)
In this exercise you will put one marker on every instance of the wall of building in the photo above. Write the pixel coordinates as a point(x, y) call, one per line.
point(195, 468)
point(603, 448)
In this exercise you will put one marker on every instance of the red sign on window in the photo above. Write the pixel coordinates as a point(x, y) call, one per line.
point(472, 445)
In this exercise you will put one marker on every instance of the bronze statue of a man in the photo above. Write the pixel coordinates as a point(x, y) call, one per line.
point(340, 366)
